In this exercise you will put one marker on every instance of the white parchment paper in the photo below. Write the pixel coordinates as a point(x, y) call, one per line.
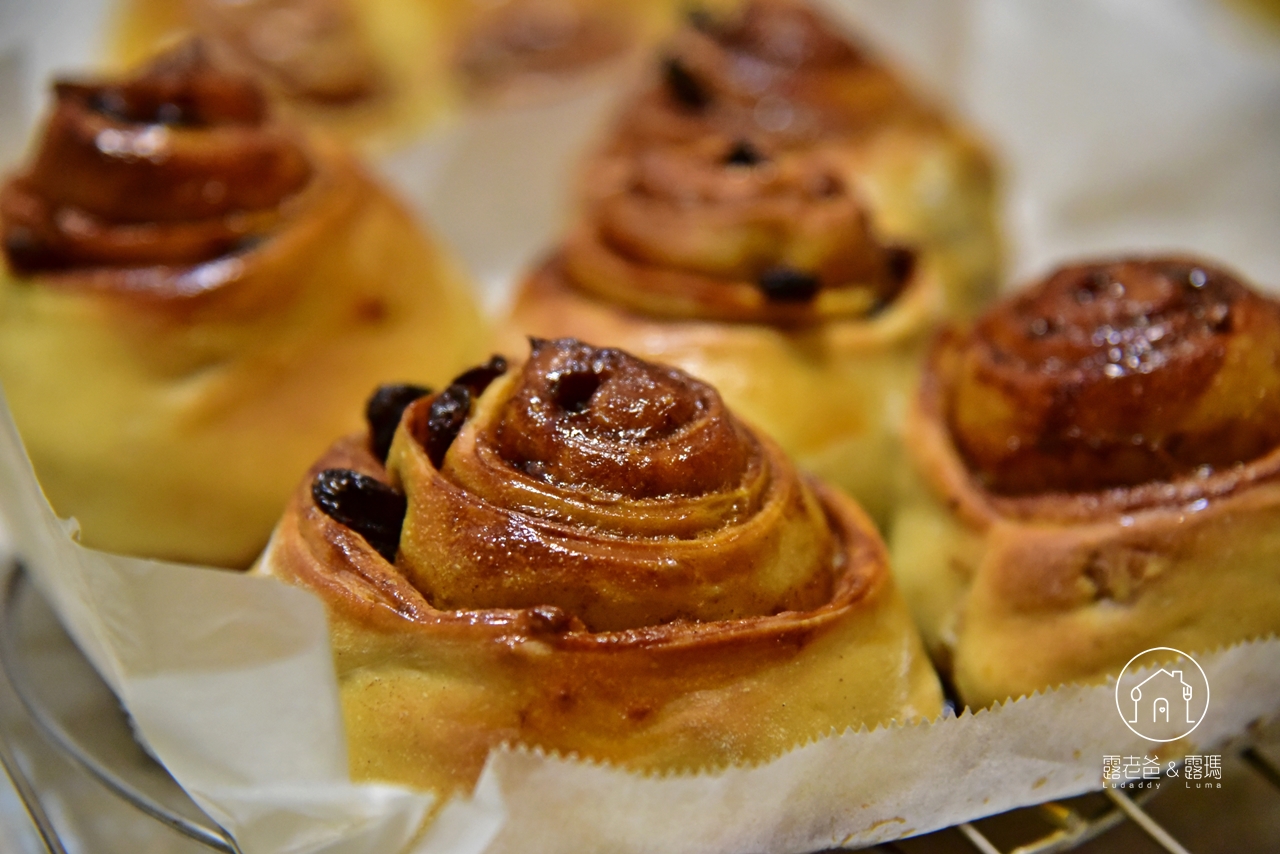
point(1122, 125)
point(229, 681)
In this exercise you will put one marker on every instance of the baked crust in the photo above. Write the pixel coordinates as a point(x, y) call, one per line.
point(620, 671)
point(1018, 590)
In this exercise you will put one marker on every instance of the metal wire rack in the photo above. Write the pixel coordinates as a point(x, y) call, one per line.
point(113, 758)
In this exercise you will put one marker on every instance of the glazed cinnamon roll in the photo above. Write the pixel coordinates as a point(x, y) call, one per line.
point(367, 71)
point(194, 297)
point(512, 52)
point(779, 75)
point(1099, 474)
point(760, 271)
point(517, 50)
point(771, 68)
point(377, 70)
point(590, 554)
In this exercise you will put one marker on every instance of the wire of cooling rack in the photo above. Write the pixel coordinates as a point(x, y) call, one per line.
point(1068, 825)
point(22, 784)
point(26, 792)
point(1073, 828)
point(195, 825)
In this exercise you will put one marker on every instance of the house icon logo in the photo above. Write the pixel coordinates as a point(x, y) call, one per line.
point(1162, 694)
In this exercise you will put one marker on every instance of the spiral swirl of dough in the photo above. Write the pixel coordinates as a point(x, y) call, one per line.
point(1116, 374)
point(178, 165)
point(724, 229)
point(618, 491)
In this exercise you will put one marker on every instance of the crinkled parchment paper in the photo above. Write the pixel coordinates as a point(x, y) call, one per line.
point(230, 683)
point(1123, 125)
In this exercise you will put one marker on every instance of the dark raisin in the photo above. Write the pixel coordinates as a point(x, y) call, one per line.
point(1093, 284)
point(548, 619)
point(448, 413)
point(701, 19)
point(383, 413)
point(901, 262)
point(1219, 317)
point(684, 86)
point(170, 113)
point(26, 252)
point(367, 506)
point(786, 284)
point(110, 104)
point(248, 243)
point(478, 378)
point(572, 390)
point(828, 187)
point(19, 238)
point(744, 153)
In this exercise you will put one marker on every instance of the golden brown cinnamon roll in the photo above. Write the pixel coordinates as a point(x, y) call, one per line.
point(368, 70)
point(193, 299)
point(777, 74)
point(759, 271)
point(1099, 464)
point(512, 49)
point(376, 70)
point(518, 51)
point(772, 69)
point(591, 554)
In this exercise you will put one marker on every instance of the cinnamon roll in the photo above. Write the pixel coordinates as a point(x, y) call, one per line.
point(590, 554)
point(1099, 473)
point(193, 299)
point(760, 271)
point(777, 74)
point(512, 52)
point(364, 71)
point(517, 50)
point(377, 70)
